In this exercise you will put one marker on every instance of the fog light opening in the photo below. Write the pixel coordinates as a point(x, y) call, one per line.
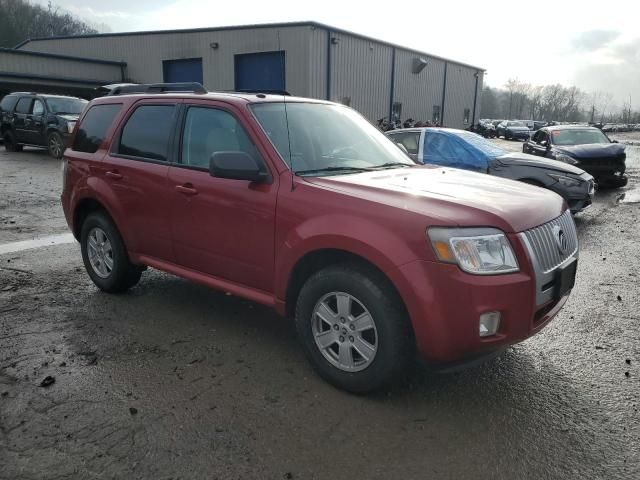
point(489, 323)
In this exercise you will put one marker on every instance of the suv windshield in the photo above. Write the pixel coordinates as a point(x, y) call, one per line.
point(578, 137)
point(324, 139)
point(482, 144)
point(65, 105)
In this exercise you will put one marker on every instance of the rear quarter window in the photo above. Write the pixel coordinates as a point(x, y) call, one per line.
point(94, 126)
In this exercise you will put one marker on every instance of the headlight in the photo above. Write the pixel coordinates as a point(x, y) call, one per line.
point(481, 251)
point(566, 181)
point(71, 126)
point(566, 159)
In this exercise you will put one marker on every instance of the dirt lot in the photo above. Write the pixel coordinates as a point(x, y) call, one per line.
point(176, 381)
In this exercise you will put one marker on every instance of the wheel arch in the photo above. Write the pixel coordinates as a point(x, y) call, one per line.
point(83, 209)
point(316, 260)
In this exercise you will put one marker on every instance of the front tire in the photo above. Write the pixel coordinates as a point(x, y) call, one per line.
point(105, 256)
point(10, 144)
point(353, 328)
point(55, 145)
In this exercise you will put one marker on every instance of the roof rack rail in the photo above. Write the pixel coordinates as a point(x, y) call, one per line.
point(266, 92)
point(126, 88)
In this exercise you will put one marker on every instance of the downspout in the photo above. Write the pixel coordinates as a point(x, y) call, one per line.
point(444, 93)
point(475, 99)
point(393, 82)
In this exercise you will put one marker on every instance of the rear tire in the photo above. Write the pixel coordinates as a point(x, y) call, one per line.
point(10, 144)
point(55, 145)
point(353, 328)
point(105, 256)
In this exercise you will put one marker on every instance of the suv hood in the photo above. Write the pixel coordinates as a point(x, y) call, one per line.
point(593, 150)
point(451, 196)
point(524, 159)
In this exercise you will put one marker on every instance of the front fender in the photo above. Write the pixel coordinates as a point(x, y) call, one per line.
point(378, 245)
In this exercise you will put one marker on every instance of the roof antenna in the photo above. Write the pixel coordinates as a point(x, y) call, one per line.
point(286, 116)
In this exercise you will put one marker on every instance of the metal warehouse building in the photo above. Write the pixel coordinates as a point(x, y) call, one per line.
point(307, 59)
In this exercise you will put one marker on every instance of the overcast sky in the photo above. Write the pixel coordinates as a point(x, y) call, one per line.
point(594, 44)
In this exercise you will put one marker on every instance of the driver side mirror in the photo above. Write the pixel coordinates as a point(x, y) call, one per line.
point(237, 166)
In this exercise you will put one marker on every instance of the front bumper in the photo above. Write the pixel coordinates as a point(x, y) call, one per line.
point(445, 303)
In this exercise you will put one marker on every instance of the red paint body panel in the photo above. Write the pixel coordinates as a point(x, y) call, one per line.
point(247, 238)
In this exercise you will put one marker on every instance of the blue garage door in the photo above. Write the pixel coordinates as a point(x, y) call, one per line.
point(260, 71)
point(183, 70)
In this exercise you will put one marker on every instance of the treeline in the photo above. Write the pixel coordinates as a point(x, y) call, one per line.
point(20, 20)
point(521, 100)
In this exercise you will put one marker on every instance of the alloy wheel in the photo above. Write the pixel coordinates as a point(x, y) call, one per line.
point(344, 331)
point(100, 252)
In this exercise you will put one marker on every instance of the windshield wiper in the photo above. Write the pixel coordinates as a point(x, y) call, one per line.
point(391, 164)
point(332, 169)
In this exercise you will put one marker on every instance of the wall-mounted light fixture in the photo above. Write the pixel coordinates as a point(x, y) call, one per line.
point(419, 64)
point(477, 74)
point(214, 45)
point(334, 40)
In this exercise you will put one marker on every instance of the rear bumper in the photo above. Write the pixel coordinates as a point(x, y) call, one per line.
point(445, 304)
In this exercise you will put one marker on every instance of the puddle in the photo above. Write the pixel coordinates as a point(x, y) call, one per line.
point(632, 196)
point(36, 243)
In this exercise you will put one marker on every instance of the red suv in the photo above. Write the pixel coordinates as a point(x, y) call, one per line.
point(304, 206)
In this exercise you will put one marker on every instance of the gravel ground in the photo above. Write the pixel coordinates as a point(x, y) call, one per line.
point(172, 380)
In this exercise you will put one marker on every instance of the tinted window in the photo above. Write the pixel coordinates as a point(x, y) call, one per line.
point(208, 130)
point(8, 103)
point(38, 107)
point(94, 126)
point(24, 105)
point(147, 132)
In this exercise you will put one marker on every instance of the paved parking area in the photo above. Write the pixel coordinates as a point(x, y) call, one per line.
point(173, 380)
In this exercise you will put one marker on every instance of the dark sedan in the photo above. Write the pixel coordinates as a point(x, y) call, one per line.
point(513, 129)
point(584, 147)
point(466, 150)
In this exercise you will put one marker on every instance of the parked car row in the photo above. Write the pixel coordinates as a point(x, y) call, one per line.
point(32, 119)
point(306, 207)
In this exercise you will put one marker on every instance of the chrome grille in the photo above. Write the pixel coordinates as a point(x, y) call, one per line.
point(545, 244)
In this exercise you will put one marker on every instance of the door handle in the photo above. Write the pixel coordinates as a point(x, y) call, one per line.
point(187, 189)
point(115, 175)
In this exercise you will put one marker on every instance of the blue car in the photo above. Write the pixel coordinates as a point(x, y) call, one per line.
point(469, 151)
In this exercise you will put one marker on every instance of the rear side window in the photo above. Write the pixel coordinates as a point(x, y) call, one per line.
point(24, 105)
point(147, 132)
point(94, 126)
point(8, 103)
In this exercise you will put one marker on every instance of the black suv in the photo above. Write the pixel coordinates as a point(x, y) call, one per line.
point(38, 120)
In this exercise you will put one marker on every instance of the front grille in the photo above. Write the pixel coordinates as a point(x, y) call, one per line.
point(545, 245)
point(603, 162)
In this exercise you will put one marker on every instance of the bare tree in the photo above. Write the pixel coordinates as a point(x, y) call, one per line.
point(20, 20)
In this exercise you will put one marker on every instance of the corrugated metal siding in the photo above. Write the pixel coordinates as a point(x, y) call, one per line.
point(419, 92)
point(460, 90)
point(55, 67)
point(144, 53)
point(361, 71)
point(318, 63)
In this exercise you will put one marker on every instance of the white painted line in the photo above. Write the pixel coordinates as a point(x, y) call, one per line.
point(36, 243)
